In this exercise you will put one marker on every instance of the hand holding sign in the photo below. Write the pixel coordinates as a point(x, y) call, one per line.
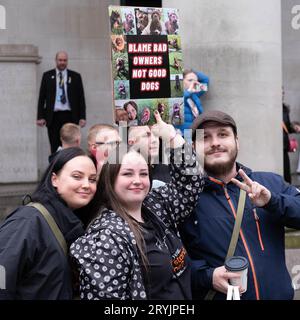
point(167, 132)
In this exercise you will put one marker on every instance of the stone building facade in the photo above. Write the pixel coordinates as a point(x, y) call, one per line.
point(237, 43)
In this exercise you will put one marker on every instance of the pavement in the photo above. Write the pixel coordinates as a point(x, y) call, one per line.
point(292, 252)
point(293, 264)
point(296, 179)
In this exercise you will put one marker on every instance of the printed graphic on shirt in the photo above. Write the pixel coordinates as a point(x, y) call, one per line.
point(178, 261)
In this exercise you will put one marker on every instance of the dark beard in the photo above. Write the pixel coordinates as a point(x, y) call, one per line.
point(223, 169)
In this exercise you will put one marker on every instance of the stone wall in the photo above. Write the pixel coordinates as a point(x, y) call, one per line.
point(291, 63)
point(238, 45)
point(79, 27)
point(18, 139)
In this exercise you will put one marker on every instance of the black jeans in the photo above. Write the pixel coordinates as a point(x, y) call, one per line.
point(286, 167)
point(59, 119)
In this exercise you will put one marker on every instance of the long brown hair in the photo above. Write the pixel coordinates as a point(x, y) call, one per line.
point(106, 197)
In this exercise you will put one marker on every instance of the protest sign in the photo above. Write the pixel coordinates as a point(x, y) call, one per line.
point(147, 64)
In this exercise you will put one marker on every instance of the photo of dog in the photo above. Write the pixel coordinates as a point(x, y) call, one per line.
point(155, 25)
point(176, 81)
point(121, 89)
point(173, 43)
point(120, 115)
point(118, 43)
point(142, 20)
point(176, 112)
point(161, 108)
point(129, 21)
point(175, 62)
point(171, 24)
point(115, 21)
point(145, 117)
point(120, 66)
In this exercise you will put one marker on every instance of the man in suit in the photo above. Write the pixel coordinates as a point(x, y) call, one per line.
point(61, 99)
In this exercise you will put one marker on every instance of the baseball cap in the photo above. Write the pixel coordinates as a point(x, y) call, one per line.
point(215, 116)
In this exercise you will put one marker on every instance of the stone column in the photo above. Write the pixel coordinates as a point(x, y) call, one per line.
point(291, 65)
point(237, 44)
point(18, 134)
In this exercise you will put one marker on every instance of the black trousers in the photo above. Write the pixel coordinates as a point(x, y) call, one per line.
point(59, 119)
point(286, 167)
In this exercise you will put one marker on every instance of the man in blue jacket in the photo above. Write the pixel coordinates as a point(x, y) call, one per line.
point(271, 204)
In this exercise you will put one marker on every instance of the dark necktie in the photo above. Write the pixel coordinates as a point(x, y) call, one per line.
point(62, 87)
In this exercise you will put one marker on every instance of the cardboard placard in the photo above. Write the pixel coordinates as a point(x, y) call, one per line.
point(147, 65)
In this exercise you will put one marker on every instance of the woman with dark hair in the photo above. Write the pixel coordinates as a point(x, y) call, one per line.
point(31, 241)
point(132, 250)
point(131, 108)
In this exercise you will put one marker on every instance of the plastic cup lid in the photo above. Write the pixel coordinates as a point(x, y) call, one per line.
point(236, 263)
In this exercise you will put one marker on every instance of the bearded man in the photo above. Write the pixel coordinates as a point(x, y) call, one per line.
point(271, 204)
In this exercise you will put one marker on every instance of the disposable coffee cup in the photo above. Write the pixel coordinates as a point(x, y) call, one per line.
point(239, 265)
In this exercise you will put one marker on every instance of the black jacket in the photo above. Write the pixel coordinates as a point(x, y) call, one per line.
point(48, 92)
point(36, 267)
point(107, 255)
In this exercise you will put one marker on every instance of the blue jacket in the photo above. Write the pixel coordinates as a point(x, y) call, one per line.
point(208, 231)
point(188, 115)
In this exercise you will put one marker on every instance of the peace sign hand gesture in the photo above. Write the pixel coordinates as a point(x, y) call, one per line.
point(258, 194)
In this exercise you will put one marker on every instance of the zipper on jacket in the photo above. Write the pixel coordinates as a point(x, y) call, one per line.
point(245, 244)
point(256, 217)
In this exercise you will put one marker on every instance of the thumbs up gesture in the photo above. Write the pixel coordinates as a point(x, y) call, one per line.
point(166, 131)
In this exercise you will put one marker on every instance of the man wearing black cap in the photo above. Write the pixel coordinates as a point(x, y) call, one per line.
point(271, 204)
